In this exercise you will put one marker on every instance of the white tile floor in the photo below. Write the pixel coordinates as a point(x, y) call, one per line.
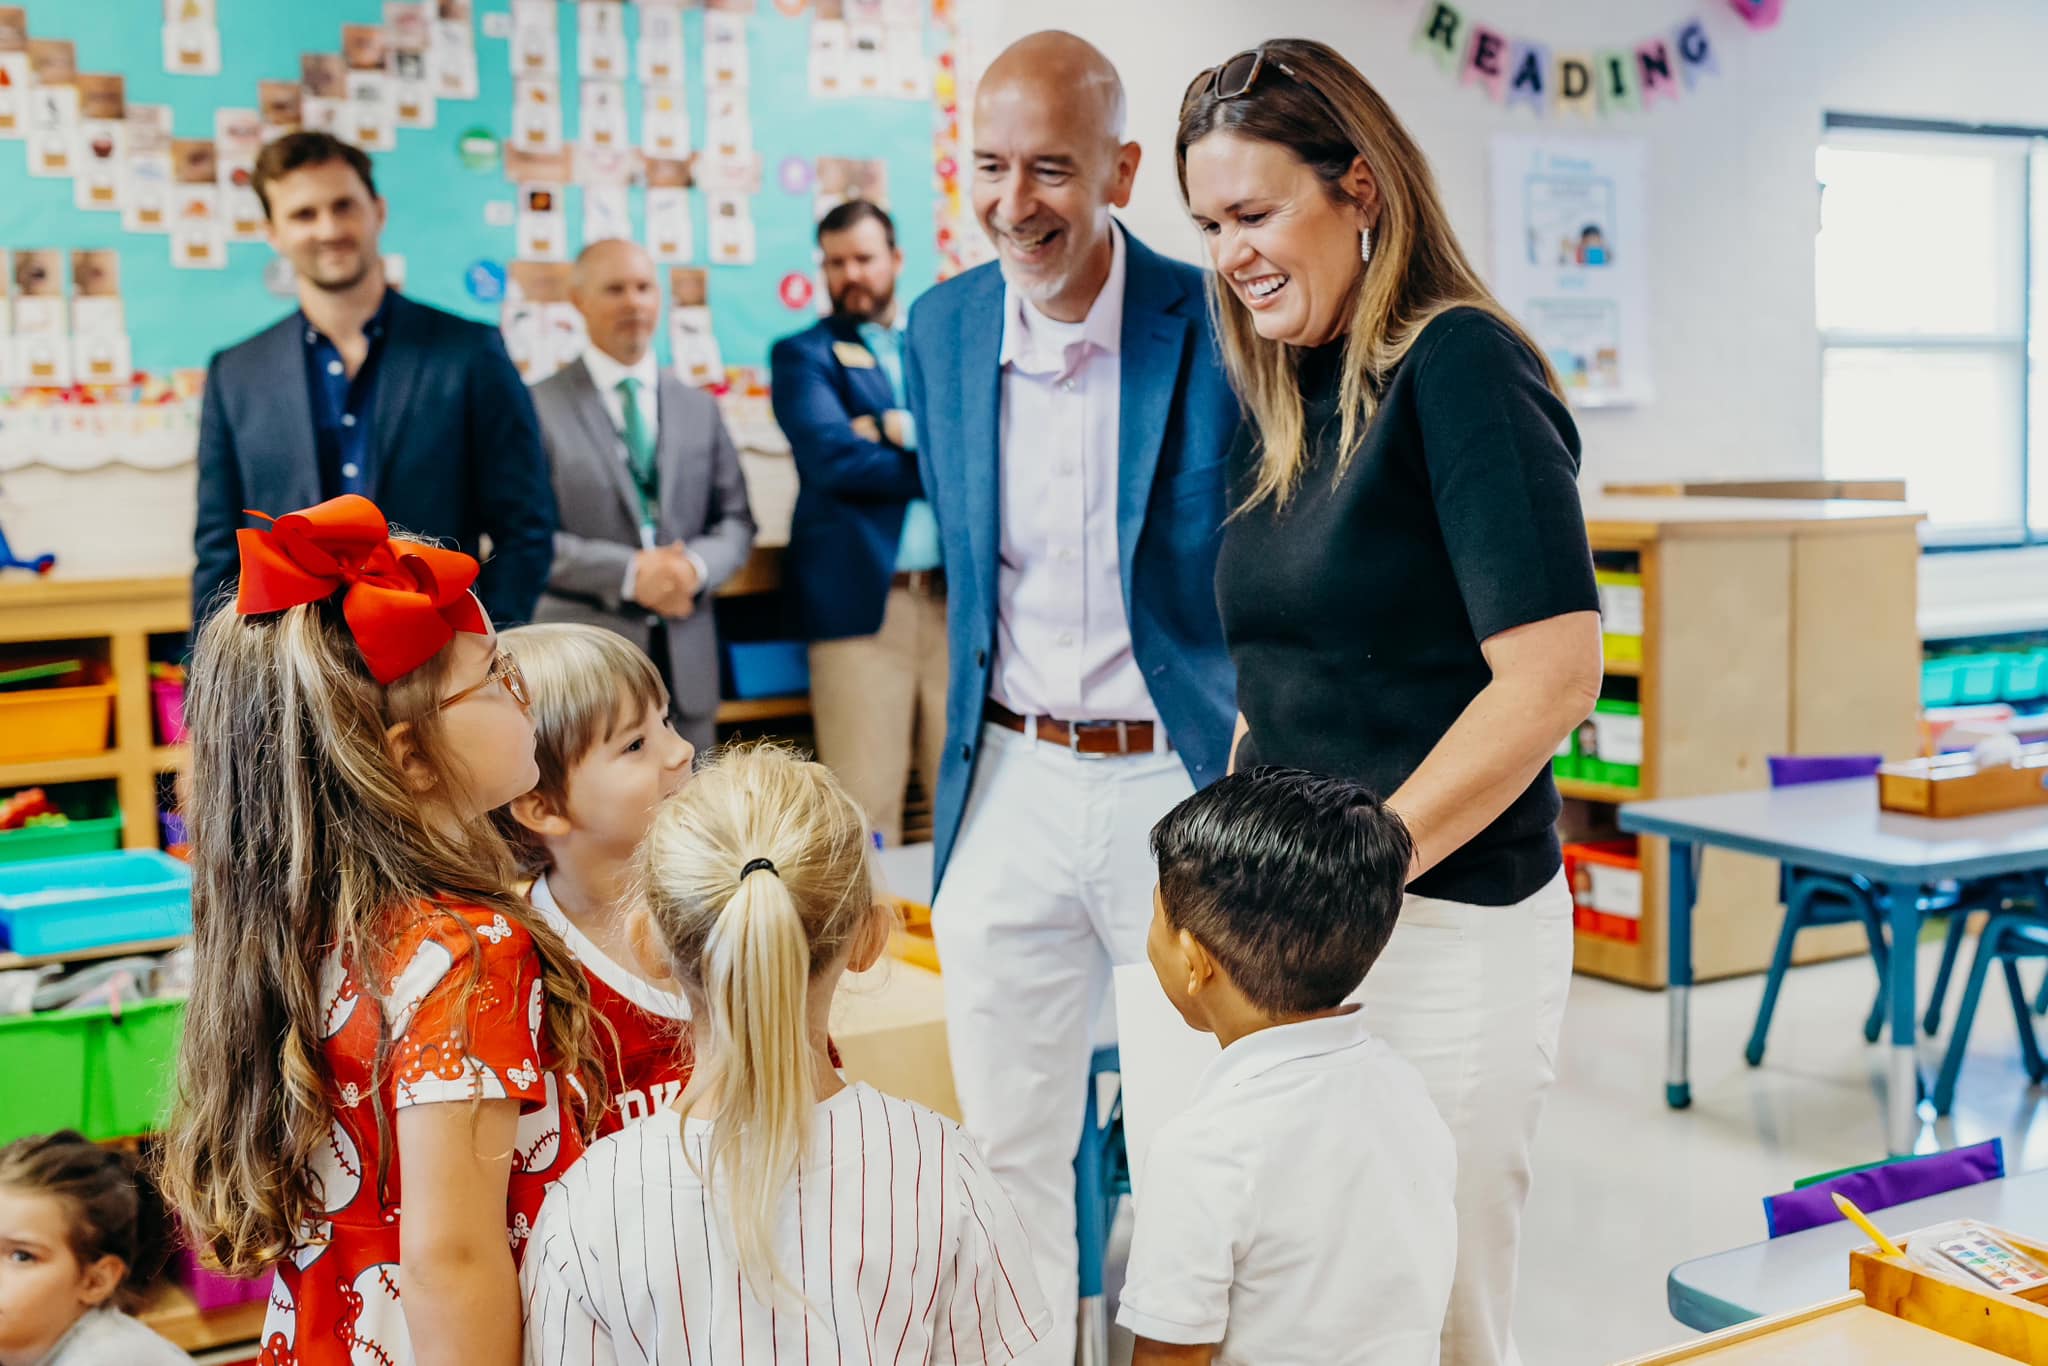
point(1625, 1188)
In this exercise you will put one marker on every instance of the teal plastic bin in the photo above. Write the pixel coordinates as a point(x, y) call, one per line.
point(68, 904)
point(1978, 679)
point(2025, 677)
point(1939, 683)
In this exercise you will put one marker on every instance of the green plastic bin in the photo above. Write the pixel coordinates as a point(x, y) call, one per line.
point(83, 1070)
point(1616, 766)
point(94, 828)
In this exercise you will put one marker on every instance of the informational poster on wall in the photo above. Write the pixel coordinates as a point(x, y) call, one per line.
point(1570, 259)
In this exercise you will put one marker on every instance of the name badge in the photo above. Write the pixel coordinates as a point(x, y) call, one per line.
point(852, 356)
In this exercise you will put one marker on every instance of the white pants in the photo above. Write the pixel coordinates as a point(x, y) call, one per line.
point(1474, 997)
point(1049, 886)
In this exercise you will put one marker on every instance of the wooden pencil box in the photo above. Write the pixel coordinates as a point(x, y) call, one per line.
point(1953, 785)
point(1984, 1318)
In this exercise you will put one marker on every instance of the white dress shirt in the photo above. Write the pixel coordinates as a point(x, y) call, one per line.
point(606, 374)
point(1299, 1211)
point(1063, 639)
point(895, 1235)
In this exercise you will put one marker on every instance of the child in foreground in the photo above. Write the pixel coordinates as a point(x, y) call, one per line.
point(775, 1208)
point(1298, 1212)
point(607, 756)
point(76, 1248)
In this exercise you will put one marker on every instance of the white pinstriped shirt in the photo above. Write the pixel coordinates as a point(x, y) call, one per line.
point(898, 1237)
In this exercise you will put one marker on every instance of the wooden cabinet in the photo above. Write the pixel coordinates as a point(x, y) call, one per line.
point(1769, 627)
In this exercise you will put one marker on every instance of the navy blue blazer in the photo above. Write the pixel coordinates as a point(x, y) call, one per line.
point(1178, 426)
point(455, 450)
point(851, 492)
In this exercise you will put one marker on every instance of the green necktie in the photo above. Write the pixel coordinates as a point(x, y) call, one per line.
point(639, 450)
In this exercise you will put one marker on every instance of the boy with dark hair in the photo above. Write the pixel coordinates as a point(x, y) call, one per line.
point(1299, 1210)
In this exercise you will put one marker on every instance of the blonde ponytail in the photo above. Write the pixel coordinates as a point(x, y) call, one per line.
point(757, 874)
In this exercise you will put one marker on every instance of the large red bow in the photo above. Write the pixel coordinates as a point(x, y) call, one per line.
point(405, 600)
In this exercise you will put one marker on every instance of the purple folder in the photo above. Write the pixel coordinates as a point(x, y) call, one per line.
point(1884, 1185)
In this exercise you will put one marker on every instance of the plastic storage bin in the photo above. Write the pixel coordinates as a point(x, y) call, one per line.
point(1607, 889)
point(1940, 682)
point(1565, 763)
point(209, 1289)
point(1621, 614)
point(169, 696)
point(1611, 744)
point(2024, 677)
point(107, 1077)
point(1977, 679)
point(768, 668)
point(94, 828)
point(65, 905)
point(55, 723)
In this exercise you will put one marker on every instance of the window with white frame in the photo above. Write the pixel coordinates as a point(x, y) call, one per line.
point(1922, 274)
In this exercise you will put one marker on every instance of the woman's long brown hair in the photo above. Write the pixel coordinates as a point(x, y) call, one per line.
point(306, 837)
point(1329, 115)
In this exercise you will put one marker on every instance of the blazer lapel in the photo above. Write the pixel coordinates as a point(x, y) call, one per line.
point(1155, 333)
point(981, 395)
point(294, 412)
point(672, 447)
point(398, 368)
point(604, 438)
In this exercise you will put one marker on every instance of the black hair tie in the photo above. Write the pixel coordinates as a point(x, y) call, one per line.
point(758, 865)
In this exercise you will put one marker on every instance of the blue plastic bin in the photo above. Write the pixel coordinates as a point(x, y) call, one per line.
point(2026, 677)
point(66, 904)
point(1978, 678)
point(769, 668)
point(1939, 682)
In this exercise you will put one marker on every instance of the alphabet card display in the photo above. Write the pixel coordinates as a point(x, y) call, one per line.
point(102, 139)
point(191, 38)
point(693, 346)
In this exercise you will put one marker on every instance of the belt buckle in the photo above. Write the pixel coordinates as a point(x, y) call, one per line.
point(1123, 739)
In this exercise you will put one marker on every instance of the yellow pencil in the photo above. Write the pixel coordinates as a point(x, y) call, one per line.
point(1862, 1221)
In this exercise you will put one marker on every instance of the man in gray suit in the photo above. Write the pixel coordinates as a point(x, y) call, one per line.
point(652, 509)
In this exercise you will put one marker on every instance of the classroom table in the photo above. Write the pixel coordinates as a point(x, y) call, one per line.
point(1727, 1288)
point(1836, 828)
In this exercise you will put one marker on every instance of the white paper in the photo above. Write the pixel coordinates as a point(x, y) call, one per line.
point(661, 45)
point(567, 337)
point(191, 12)
point(52, 130)
point(543, 225)
point(729, 127)
point(536, 42)
point(601, 40)
point(895, 12)
point(369, 118)
point(451, 60)
point(607, 213)
point(725, 50)
point(601, 122)
point(670, 237)
point(694, 347)
point(192, 49)
point(664, 122)
point(238, 132)
point(413, 103)
point(525, 339)
point(319, 114)
point(498, 24)
point(41, 315)
point(500, 213)
point(732, 230)
point(829, 41)
point(97, 315)
point(101, 358)
point(1586, 307)
point(42, 360)
point(14, 81)
point(867, 61)
point(198, 239)
point(909, 71)
point(146, 195)
point(100, 163)
point(242, 214)
point(1162, 1058)
point(537, 116)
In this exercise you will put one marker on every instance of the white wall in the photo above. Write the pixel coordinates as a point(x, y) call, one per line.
point(1732, 200)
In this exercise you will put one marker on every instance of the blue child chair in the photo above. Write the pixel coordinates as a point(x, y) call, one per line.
point(1815, 898)
point(2007, 937)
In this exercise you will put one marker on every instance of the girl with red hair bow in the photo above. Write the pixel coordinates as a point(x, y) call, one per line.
point(372, 1003)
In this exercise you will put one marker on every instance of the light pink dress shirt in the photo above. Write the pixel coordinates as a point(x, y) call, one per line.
point(1063, 640)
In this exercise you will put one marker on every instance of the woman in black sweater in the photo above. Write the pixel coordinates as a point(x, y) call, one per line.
point(1406, 587)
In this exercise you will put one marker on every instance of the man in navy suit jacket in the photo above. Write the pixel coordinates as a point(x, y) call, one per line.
point(863, 557)
point(1074, 427)
point(365, 391)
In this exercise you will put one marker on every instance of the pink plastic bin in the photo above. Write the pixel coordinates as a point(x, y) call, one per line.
point(210, 1290)
point(170, 710)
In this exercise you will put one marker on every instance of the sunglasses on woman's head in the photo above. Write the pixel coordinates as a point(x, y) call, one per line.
point(1235, 78)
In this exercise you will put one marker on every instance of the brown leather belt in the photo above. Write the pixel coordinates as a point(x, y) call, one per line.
point(1091, 739)
point(930, 582)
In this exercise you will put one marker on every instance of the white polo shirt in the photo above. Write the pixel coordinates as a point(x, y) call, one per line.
point(1299, 1210)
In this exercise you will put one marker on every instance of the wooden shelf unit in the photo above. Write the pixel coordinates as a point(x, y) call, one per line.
point(1770, 627)
point(173, 1315)
point(124, 613)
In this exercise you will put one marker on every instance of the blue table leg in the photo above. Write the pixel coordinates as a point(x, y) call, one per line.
point(1678, 977)
point(1902, 1101)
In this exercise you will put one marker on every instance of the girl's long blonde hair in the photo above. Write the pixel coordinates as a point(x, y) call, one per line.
point(306, 838)
point(745, 946)
point(1329, 115)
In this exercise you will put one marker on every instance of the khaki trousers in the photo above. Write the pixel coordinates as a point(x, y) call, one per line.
point(879, 705)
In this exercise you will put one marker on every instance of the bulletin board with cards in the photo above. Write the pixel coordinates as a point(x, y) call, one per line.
point(504, 135)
